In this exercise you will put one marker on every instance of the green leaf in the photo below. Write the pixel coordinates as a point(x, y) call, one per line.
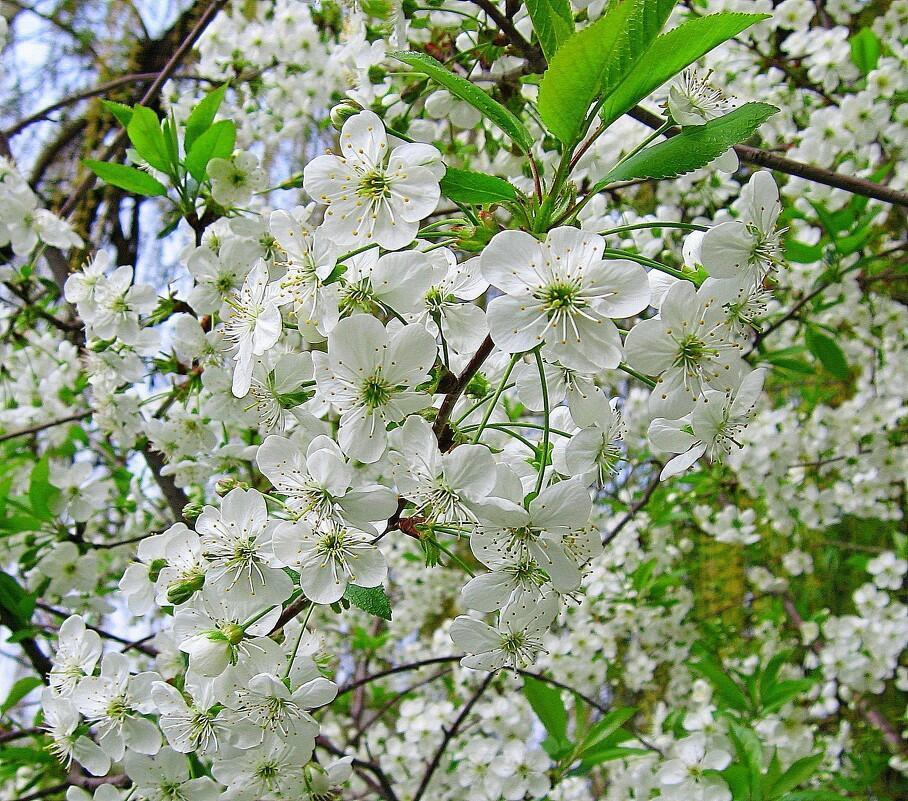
point(672, 52)
point(695, 147)
point(128, 178)
point(787, 359)
point(828, 353)
point(216, 143)
point(548, 706)
point(796, 775)
point(750, 753)
point(553, 21)
point(605, 727)
point(738, 779)
point(373, 600)
point(865, 50)
point(18, 691)
point(469, 93)
point(201, 117)
point(608, 755)
point(594, 62)
point(770, 674)
point(726, 688)
point(465, 186)
point(145, 133)
point(814, 795)
point(169, 128)
point(122, 112)
point(18, 604)
point(41, 492)
point(802, 253)
point(785, 691)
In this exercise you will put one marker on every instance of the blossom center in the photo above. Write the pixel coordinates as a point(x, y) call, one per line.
point(561, 297)
point(375, 391)
point(374, 184)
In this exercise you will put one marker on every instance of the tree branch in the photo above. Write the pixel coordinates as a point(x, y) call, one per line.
point(450, 734)
point(175, 497)
point(632, 512)
point(39, 660)
point(752, 155)
point(441, 427)
point(43, 426)
point(869, 712)
point(120, 139)
point(437, 660)
point(810, 172)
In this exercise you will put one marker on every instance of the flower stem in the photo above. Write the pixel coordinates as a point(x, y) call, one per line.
point(543, 457)
point(496, 396)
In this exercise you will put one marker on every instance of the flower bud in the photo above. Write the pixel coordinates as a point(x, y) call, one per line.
point(343, 111)
point(155, 568)
point(224, 485)
point(233, 632)
point(99, 345)
point(192, 510)
point(181, 591)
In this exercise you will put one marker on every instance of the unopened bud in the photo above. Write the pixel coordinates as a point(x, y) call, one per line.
point(99, 345)
point(155, 568)
point(343, 111)
point(181, 591)
point(192, 510)
point(225, 485)
point(479, 386)
point(233, 632)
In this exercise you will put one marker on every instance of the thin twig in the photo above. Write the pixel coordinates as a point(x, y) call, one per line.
point(869, 712)
point(450, 734)
point(632, 512)
point(441, 427)
point(437, 660)
point(810, 172)
point(42, 426)
point(383, 786)
point(137, 644)
point(119, 140)
point(18, 734)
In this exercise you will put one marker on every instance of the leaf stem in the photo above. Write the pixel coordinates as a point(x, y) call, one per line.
point(543, 457)
point(496, 396)
point(639, 376)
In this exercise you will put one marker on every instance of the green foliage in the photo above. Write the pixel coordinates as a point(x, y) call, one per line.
point(672, 52)
point(749, 782)
point(695, 147)
point(122, 112)
point(594, 62)
point(216, 143)
point(549, 707)
point(18, 691)
point(726, 689)
point(125, 177)
point(158, 144)
point(465, 186)
point(827, 352)
point(591, 746)
point(604, 728)
point(147, 138)
point(373, 600)
point(41, 493)
point(202, 116)
point(865, 50)
point(17, 604)
point(553, 21)
point(469, 93)
point(750, 694)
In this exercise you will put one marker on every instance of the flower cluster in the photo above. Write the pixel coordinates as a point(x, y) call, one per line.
point(433, 471)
